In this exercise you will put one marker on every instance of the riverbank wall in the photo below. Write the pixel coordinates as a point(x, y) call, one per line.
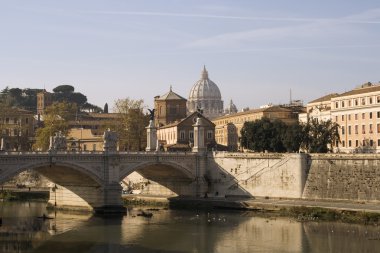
point(352, 177)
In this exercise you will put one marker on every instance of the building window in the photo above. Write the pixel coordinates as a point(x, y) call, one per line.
point(182, 135)
point(349, 102)
point(356, 102)
point(93, 147)
point(191, 135)
point(209, 134)
point(378, 128)
point(364, 143)
point(343, 144)
point(349, 130)
point(343, 132)
point(356, 129)
point(370, 128)
point(342, 117)
point(378, 114)
point(370, 115)
point(84, 147)
point(349, 116)
point(370, 100)
point(26, 120)
point(6, 120)
point(336, 118)
point(363, 101)
point(356, 116)
point(356, 143)
point(371, 143)
point(363, 129)
point(363, 115)
point(378, 99)
point(336, 105)
point(378, 142)
point(349, 143)
point(342, 103)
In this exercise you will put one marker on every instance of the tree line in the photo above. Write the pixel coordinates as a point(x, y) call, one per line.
point(276, 136)
point(129, 124)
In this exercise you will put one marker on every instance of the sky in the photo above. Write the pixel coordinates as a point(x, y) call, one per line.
point(255, 51)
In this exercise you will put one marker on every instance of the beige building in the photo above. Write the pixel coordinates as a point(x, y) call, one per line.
point(96, 122)
point(17, 129)
point(80, 139)
point(319, 108)
point(179, 136)
point(228, 127)
point(358, 114)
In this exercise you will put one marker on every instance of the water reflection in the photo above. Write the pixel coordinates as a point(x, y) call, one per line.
point(175, 231)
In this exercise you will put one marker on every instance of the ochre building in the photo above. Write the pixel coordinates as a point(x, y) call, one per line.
point(228, 127)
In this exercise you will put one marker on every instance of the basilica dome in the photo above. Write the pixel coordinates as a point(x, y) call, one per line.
point(205, 95)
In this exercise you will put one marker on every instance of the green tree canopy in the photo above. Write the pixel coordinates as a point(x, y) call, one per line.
point(131, 124)
point(318, 136)
point(64, 89)
point(56, 119)
point(264, 134)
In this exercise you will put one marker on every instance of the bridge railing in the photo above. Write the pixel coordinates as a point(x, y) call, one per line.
point(161, 153)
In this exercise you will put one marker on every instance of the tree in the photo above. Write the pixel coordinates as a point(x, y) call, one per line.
point(293, 137)
point(56, 119)
point(319, 135)
point(263, 134)
point(132, 122)
point(64, 89)
point(105, 110)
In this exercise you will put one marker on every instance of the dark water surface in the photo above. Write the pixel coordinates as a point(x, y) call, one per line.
point(175, 231)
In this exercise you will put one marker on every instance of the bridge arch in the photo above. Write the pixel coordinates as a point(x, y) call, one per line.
point(45, 167)
point(176, 177)
point(76, 185)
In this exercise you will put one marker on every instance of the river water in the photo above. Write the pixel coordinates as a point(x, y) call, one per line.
point(174, 231)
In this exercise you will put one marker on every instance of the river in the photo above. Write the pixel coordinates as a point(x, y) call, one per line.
point(174, 231)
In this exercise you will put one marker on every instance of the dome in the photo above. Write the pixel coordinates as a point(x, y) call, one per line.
point(205, 94)
point(231, 108)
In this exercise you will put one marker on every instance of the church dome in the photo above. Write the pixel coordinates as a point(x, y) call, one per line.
point(205, 95)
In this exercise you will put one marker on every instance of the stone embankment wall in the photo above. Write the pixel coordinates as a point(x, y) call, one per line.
point(256, 174)
point(343, 176)
point(354, 177)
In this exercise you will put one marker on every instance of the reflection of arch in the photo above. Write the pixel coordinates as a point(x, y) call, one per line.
point(187, 172)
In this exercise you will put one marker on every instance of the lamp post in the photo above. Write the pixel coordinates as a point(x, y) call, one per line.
point(55, 194)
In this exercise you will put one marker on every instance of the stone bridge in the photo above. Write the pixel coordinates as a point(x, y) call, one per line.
point(92, 179)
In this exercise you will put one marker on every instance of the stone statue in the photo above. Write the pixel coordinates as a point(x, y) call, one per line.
point(110, 140)
point(151, 113)
point(199, 111)
point(58, 142)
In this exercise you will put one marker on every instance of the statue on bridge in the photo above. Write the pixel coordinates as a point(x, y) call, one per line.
point(58, 142)
point(110, 140)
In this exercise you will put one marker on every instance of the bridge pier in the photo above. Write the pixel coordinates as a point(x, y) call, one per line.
point(106, 199)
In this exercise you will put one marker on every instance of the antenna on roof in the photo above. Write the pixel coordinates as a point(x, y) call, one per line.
point(290, 96)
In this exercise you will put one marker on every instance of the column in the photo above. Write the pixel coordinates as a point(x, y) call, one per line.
point(151, 135)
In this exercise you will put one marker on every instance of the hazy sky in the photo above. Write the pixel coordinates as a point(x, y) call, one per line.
point(255, 51)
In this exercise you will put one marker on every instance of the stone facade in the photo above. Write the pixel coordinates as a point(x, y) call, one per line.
point(180, 135)
point(228, 127)
point(17, 127)
point(357, 112)
point(169, 108)
point(44, 99)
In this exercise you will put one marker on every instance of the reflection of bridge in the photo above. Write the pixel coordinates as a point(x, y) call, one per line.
point(92, 179)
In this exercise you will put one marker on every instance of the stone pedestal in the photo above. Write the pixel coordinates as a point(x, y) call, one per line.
point(151, 135)
point(199, 136)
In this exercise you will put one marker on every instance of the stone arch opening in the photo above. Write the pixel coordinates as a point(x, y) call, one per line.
point(72, 185)
point(165, 179)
